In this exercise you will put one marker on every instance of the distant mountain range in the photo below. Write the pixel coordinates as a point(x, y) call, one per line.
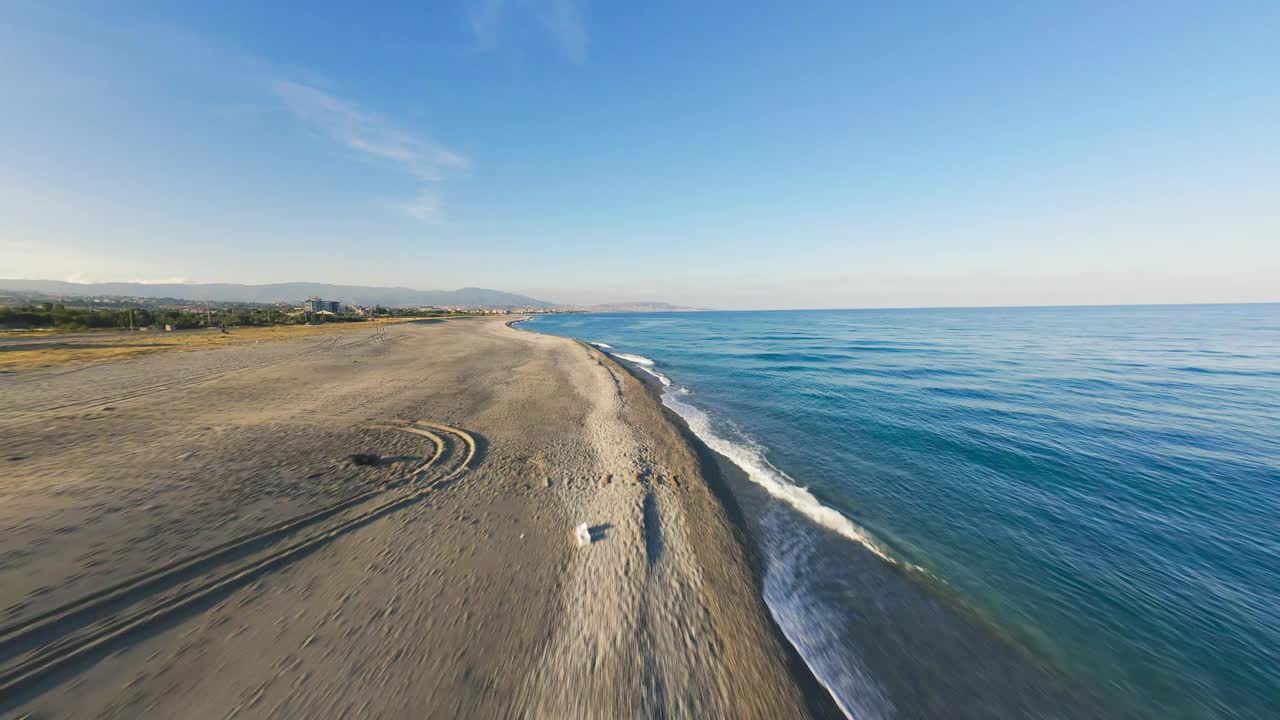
point(292, 293)
point(635, 307)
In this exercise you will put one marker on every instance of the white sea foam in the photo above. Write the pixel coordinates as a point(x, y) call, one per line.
point(752, 461)
point(644, 364)
point(808, 624)
point(774, 481)
point(602, 346)
point(637, 359)
point(666, 381)
point(804, 621)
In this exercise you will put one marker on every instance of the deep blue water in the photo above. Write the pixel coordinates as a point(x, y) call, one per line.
point(1000, 512)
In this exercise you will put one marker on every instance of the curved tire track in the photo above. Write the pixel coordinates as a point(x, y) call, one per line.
point(76, 633)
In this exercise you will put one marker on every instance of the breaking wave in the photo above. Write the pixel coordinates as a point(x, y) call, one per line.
point(636, 359)
point(751, 459)
point(644, 364)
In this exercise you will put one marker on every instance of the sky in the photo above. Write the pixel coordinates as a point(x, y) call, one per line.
point(716, 154)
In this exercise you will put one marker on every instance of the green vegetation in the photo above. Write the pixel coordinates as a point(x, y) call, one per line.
point(58, 316)
point(383, 312)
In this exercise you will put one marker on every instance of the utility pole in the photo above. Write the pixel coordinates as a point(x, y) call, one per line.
point(130, 319)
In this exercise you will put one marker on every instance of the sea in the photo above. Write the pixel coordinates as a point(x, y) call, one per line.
point(1060, 512)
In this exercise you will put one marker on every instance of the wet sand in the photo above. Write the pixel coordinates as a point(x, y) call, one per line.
point(435, 575)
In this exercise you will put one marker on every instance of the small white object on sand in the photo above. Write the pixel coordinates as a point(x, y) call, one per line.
point(584, 535)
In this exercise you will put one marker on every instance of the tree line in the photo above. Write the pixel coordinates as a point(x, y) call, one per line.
point(59, 317)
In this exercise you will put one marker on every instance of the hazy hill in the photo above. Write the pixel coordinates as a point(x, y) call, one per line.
point(638, 307)
point(284, 292)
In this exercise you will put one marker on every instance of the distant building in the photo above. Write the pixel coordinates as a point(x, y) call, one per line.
point(315, 305)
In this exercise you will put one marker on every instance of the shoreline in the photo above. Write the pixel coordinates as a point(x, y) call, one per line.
point(1043, 687)
point(714, 471)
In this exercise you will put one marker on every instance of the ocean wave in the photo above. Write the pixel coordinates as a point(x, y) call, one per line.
point(751, 459)
point(797, 357)
point(777, 483)
point(637, 359)
point(807, 623)
point(602, 346)
point(666, 381)
point(803, 619)
point(644, 364)
point(1225, 371)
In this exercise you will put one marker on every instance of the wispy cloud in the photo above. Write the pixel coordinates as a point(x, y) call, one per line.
point(367, 132)
point(486, 17)
point(95, 277)
point(562, 20)
point(374, 135)
point(162, 281)
point(424, 207)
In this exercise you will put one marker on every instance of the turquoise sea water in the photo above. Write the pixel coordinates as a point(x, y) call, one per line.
point(1054, 512)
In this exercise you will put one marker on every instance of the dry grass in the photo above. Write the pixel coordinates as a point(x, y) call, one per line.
point(85, 348)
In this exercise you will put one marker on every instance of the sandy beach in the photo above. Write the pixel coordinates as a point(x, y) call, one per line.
point(373, 523)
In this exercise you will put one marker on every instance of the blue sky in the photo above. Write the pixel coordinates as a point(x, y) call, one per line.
point(729, 155)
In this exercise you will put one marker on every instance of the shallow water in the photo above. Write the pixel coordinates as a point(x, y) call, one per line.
point(1000, 512)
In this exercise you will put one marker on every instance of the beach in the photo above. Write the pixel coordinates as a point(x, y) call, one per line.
point(375, 523)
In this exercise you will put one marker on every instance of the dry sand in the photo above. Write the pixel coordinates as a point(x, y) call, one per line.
point(446, 587)
point(22, 350)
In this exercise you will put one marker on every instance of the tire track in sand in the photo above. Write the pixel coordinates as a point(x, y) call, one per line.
point(76, 630)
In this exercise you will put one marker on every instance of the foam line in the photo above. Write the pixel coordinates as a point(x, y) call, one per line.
point(854, 690)
point(637, 359)
point(644, 364)
point(806, 622)
point(773, 480)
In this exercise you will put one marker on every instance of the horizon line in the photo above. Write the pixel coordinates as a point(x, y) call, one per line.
point(688, 308)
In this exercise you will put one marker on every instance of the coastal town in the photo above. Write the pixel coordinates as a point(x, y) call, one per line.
point(33, 311)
